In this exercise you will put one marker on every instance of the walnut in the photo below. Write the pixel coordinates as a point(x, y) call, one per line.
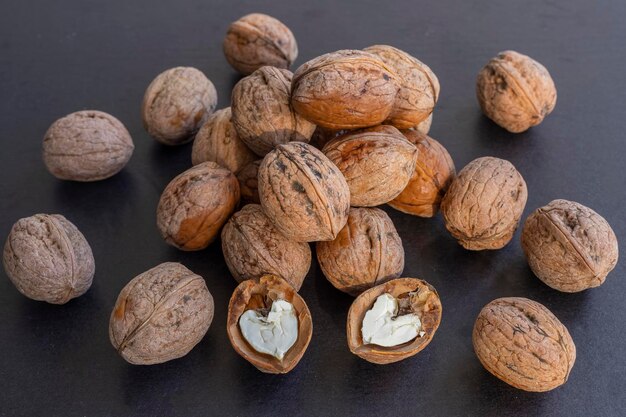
point(377, 163)
point(256, 40)
point(569, 246)
point(303, 193)
point(48, 259)
point(176, 103)
point(87, 145)
point(253, 247)
point(414, 296)
point(434, 171)
point(483, 205)
point(217, 141)
point(262, 113)
point(195, 205)
point(424, 125)
point(515, 91)
point(365, 253)
point(322, 136)
point(161, 315)
point(419, 87)
point(344, 90)
point(522, 343)
point(248, 182)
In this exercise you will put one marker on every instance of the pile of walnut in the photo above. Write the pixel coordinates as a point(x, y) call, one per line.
point(306, 157)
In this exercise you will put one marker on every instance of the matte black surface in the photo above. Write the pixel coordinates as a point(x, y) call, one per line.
point(57, 57)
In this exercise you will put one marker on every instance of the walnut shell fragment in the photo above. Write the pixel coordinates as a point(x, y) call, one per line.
point(522, 343)
point(249, 183)
point(414, 296)
point(259, 294)
point(569, 246)
point(161, 315)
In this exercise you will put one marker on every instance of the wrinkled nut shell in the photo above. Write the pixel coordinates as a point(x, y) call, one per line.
point(161, 315)
point(248, 182)
point(569, 246)
point(522, 343)
point(484, 203)
point(48, 259)
point(176, 103)
point(515, 91)
point(195, 205)
point(367, 252)
point(261, 293)
point(425, 302)
point(87, 146)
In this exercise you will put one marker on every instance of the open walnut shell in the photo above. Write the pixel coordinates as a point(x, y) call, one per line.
point(414, 296)
point(260, 293)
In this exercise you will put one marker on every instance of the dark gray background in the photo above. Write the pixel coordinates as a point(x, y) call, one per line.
point(57, 57)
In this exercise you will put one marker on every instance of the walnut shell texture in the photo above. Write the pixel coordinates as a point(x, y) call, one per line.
point(367, 252)
point(421, 298)
point(260, 293)
point(484, 203)
point(195, 205)
point(249, 183)
point(176, 103)
point(303, 193)
point(347, 89)
point(253, 247)
point(515, 91)
point(522, 343)
point(161, 315)
point(87, 145)
point(48, 259)
point(569, 246)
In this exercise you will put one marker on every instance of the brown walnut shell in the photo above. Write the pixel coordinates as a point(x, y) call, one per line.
point(249, 183)
point(414, 296)
point(569, 246)
point(424, 125)
point(260, 293)
point(262, 112)
point(484, 203)
point(515, 91)
point(346, 89)
point(367, 252)
point(176, 103)
point(195, 205)
point(522, 343)
point(303, 193)
point(253, 247)
point(377, 163)
point(48, 259)
point(256, 40)
point(87, 145)
point(161, 315)
point(434, 172)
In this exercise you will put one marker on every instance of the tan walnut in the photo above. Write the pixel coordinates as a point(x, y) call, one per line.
point(248, 182)
point(522, 343)
point(515, 91)
point(161, 315)
point(484, 203)
point(569, 246)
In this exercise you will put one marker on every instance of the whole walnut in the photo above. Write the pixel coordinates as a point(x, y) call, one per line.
point(434, 171)
point(87, 145)
point(522, 343)
point(303, 193)
point(569, 246)
point(377, 163)
point(253, 247)
point(256, 40)
point(176, 103)
point(195, 205)
point(515, 91)
point(217, 141)
point(484, 203)
point(419, 87)
point(161, 315)
point(262, 113)
point(48, 259)
point(346, 89)
point(365, 253)
point(248, 182)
